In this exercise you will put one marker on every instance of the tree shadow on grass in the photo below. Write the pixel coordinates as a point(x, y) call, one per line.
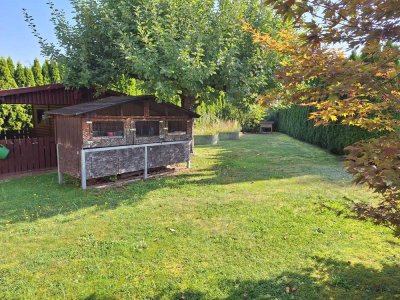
point(39, 197)
point(186, 295)
point(96, 296)
point(327, 279)
point(252, 159)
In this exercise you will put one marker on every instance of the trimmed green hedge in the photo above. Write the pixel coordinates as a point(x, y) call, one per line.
point(294, 122)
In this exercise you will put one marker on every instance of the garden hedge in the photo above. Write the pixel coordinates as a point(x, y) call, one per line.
point(294, 122)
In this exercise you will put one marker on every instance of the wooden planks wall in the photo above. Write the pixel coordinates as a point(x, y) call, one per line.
point(29, 154)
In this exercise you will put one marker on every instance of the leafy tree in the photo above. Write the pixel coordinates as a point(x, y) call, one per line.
point(30, 79)
point(12, 117)
point(362, 92)
point(354, 55)
point(19, 75)
point(377, 164)
point(11, 66)
point(37, 72)
point(183, 51)
point(46, 72)
point(54, 72)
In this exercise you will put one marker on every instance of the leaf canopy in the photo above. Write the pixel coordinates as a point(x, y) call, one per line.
point(178, 49)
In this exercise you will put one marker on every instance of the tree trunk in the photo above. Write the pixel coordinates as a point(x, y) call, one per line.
point(188, 102)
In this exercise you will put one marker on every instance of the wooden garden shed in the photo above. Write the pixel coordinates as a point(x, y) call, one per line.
point(48, 97)
point(120, 134)
point(34, 149)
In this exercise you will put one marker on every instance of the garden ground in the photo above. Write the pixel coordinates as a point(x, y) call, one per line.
point(245, 222)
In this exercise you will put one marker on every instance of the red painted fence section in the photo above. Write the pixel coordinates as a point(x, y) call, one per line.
point(28, 154)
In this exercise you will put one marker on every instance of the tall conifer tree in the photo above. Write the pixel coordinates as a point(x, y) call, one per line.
point(30, 79)
point(46, 72)
point(11, 65)
point(55, 76)
point(37, 72)
point(6, 79)
point(19, 75)
point(12, 117)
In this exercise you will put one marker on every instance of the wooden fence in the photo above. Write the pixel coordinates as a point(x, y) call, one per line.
point(28, 154)
point(17, 134)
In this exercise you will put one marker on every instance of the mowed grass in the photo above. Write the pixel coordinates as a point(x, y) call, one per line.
point(244, 223)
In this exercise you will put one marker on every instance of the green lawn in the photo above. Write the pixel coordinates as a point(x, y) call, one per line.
point(244, 223)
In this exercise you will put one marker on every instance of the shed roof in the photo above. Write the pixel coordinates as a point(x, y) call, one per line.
point(51, 94)
point(83, 108)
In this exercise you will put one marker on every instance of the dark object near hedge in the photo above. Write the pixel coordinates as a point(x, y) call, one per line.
point(211, 139)
point(294, 122)
point(267, 126)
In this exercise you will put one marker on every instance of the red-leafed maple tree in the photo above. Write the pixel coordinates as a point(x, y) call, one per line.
point(363, 92)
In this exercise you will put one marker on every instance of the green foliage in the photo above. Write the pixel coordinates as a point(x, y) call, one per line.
point(18, 117)
point(377, 163)
point(19, 76)
point(36, 75)
point(252, 117)
point(213, 108)
point(294, 121)
point(229, 126)
point(15, 117)
point(183, 51)
point(11, 65)
point(6, 78)
point(248, 115)
point(30, 79)
point(37, 72)
point(354, 55)
point(210, 124)
point(54, 72)
point(12, 117)
point(128, 86)
point(206, 124)
point(46, 72)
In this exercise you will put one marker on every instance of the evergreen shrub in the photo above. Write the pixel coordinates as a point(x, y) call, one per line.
point(294, 121)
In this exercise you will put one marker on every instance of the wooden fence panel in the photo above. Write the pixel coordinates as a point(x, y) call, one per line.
point(4, 165)
point(29, 154)
point(35, 153)
point(41, 153)
point(53, 153)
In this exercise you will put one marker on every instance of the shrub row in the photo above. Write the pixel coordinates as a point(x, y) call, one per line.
point(294, 122)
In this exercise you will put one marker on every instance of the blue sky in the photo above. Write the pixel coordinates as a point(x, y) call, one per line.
point(16, 39)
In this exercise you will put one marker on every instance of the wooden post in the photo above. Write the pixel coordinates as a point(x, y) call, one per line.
point(146, 109)
point(191, 144)
point(192, 141)
point(60, 175)
point(83, 170)
point(145, 163)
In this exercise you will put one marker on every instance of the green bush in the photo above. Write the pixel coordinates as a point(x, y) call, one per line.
point(294, 122)
point(249, 116)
